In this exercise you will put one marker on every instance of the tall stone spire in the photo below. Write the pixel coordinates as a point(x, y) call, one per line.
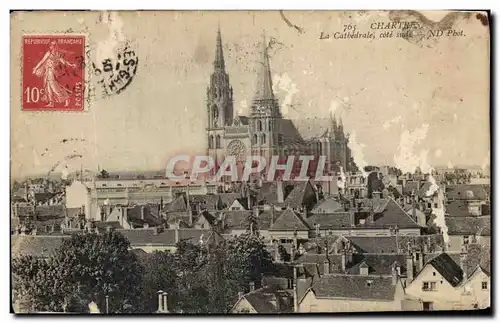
point(264, 84)
point(340, 126)
point(219, 55)
point(333, 119)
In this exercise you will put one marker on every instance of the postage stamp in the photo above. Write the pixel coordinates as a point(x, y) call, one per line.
point(53, 73)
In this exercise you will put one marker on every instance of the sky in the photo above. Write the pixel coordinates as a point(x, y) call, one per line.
point(404, 103)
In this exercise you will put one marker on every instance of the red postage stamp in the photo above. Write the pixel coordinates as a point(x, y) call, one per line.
point(53, 73)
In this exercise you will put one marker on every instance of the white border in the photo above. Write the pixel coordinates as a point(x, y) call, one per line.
point(199, 5)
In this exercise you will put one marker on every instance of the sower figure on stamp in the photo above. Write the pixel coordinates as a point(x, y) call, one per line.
point(46, 68)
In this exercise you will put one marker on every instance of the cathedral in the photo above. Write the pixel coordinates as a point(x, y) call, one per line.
point(264, 132)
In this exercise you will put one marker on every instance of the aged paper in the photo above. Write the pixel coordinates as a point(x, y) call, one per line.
point(250, 161)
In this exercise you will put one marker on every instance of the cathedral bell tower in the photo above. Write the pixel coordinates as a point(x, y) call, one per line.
point(265, 112)
point(219, 104)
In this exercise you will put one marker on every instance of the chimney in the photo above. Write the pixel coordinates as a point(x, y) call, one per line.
point(409, 267)
point(371, 217)
point(276, 251)
point(146, 225)
point(252, 286)
point(240, 295)
point(394, 275)
point(272, 215)
point(376, 195)
point(249, 201)
point(344, 261)
point(165, 305)
point(160, 301)
point(463, 265)
point(326, 267)
point(176, 235)
point(33, 232)
point(279, 191)
point(295, 291)
point(108, 228)
point(413, 207)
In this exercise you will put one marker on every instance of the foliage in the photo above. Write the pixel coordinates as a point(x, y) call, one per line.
point(86, 268)
point(103, 174)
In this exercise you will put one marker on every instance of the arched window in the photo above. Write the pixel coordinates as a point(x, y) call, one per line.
point(259, 125)
point(217, 141)
point(269, 125)
point(254, 139)
point(211, 142)
point(263, 138)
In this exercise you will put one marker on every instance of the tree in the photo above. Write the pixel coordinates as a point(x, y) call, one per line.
point(158, 274)
point(103, 174)
point(86, 268)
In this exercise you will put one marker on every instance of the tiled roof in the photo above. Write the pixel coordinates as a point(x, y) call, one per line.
point(57, 210)
point(296, 198)
point(134, 215)
point(354, 287)
point(378, 264)
point(73, 212)
point(394, 215)
point(105, 225)
point(206, 202)
point(470, 225)
point(448, 268)
point(228, 198)
point(39, 246)
point(330, 220)
point(177, 205)
point(236, 219)
point(265, 299)
point(141, 237)
point(467, 192)
point(476, 255)
point(376, 244)
point(411, 187)
point(460, 208)
point(329, 205)
point(290, 220)
point(289, 132)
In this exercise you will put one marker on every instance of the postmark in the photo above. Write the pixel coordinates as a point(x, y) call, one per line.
point(53, 72)
point(115, 74)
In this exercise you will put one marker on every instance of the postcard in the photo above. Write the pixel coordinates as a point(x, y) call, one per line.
point(247, 162)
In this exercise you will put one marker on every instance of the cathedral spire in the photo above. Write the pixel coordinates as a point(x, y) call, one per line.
point(341, 125)
point(264, 85)
point(333, 119)
point(219, 56)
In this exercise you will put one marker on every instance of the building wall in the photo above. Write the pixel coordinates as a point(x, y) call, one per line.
point(243, 306)
point(366, 232)
point(445, 297)
point(150, 248)
point(474, 292)
point(76, 195)
point(312, 304)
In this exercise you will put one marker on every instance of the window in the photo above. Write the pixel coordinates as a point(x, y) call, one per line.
point(263, 138)
point(254, 139)
point(217, 141)
point(466, 239)
point(429, 286)
point(427, 306)
point(269, 125)
point(484, 285)
point(435, 205)
point(211, 142)
point(259, 125)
